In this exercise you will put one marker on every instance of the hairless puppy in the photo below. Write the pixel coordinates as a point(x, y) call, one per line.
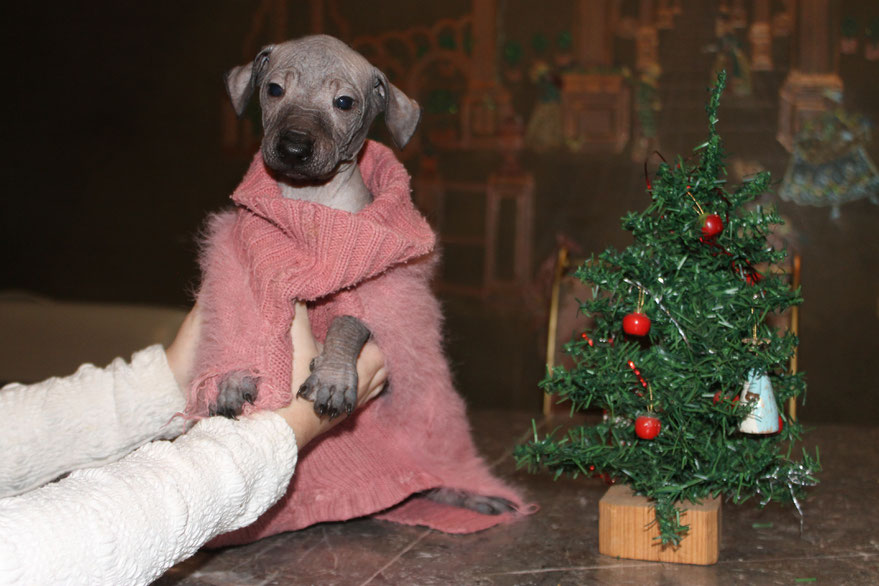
point(318, 98)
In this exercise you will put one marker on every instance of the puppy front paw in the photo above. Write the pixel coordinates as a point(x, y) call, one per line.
point(235, 389)
point(332, 386)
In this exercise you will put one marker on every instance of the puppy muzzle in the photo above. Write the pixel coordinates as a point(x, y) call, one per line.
point(300, 156)
point(295, 148)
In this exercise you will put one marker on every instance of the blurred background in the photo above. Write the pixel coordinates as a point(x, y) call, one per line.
point(538, 120)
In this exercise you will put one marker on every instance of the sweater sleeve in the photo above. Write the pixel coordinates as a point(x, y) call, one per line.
point(129, 521)
point(94, 416)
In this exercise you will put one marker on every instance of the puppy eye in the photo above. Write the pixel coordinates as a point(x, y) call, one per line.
point(275, 90)
point(344, 102)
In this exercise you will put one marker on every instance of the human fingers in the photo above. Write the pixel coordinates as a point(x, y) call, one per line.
point(305, 347)
point(372, 373)
point(181, 352)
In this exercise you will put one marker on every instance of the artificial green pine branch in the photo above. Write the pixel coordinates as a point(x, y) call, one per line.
point(706, 297)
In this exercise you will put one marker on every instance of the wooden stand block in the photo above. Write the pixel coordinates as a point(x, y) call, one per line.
point(626, 530)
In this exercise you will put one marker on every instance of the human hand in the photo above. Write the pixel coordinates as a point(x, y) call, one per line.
point(181, 352)
point(299, 414)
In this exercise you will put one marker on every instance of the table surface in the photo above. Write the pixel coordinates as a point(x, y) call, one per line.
point(559, 544)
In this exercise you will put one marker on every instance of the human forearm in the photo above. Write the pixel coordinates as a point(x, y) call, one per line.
point(129, 521)
point(91, 417)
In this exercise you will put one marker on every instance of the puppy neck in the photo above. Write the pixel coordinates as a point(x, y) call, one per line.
point(344, 191)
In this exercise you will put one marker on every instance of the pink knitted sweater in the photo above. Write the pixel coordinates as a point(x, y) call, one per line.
point(376, 265)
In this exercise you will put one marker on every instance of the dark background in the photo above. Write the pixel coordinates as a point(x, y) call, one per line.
point(112, 159)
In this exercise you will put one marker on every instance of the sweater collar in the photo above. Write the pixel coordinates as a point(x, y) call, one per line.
point(283, 237)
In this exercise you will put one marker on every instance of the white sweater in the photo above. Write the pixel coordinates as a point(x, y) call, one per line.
point(126, 521)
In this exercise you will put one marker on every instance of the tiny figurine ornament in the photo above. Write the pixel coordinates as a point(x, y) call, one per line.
point(763, 417)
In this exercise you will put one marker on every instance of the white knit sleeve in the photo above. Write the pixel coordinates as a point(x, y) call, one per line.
point(129, 521)
point(91, 417)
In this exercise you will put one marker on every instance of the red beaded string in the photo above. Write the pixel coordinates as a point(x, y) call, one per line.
point(644, 383)
point(637, 373)
point(591, 342)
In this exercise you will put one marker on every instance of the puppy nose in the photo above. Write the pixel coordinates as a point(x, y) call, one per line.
point(295, 146)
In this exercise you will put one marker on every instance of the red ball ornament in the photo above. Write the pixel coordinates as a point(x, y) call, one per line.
point(712, 226)
point(636, 324)
point(647, 427)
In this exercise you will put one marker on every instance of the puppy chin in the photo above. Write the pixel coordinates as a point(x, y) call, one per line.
point(304, 173)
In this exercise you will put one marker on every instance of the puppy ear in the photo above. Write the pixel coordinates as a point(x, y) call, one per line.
point(241, 80)
point(401, 112)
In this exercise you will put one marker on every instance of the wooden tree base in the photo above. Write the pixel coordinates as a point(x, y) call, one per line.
point(626, 529)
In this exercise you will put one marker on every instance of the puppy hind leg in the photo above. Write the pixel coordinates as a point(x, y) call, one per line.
point(486, 505)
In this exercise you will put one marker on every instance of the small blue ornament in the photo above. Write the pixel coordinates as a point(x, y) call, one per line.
point(757, 394)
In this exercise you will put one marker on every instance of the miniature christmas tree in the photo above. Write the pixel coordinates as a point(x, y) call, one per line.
point(681, 348)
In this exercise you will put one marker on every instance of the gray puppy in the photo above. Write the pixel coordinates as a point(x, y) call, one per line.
point(319, 98)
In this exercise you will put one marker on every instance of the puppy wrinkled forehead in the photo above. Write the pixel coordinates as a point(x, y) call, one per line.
point(318, 56)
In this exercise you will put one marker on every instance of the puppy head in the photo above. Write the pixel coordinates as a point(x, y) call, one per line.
point(318, 98)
